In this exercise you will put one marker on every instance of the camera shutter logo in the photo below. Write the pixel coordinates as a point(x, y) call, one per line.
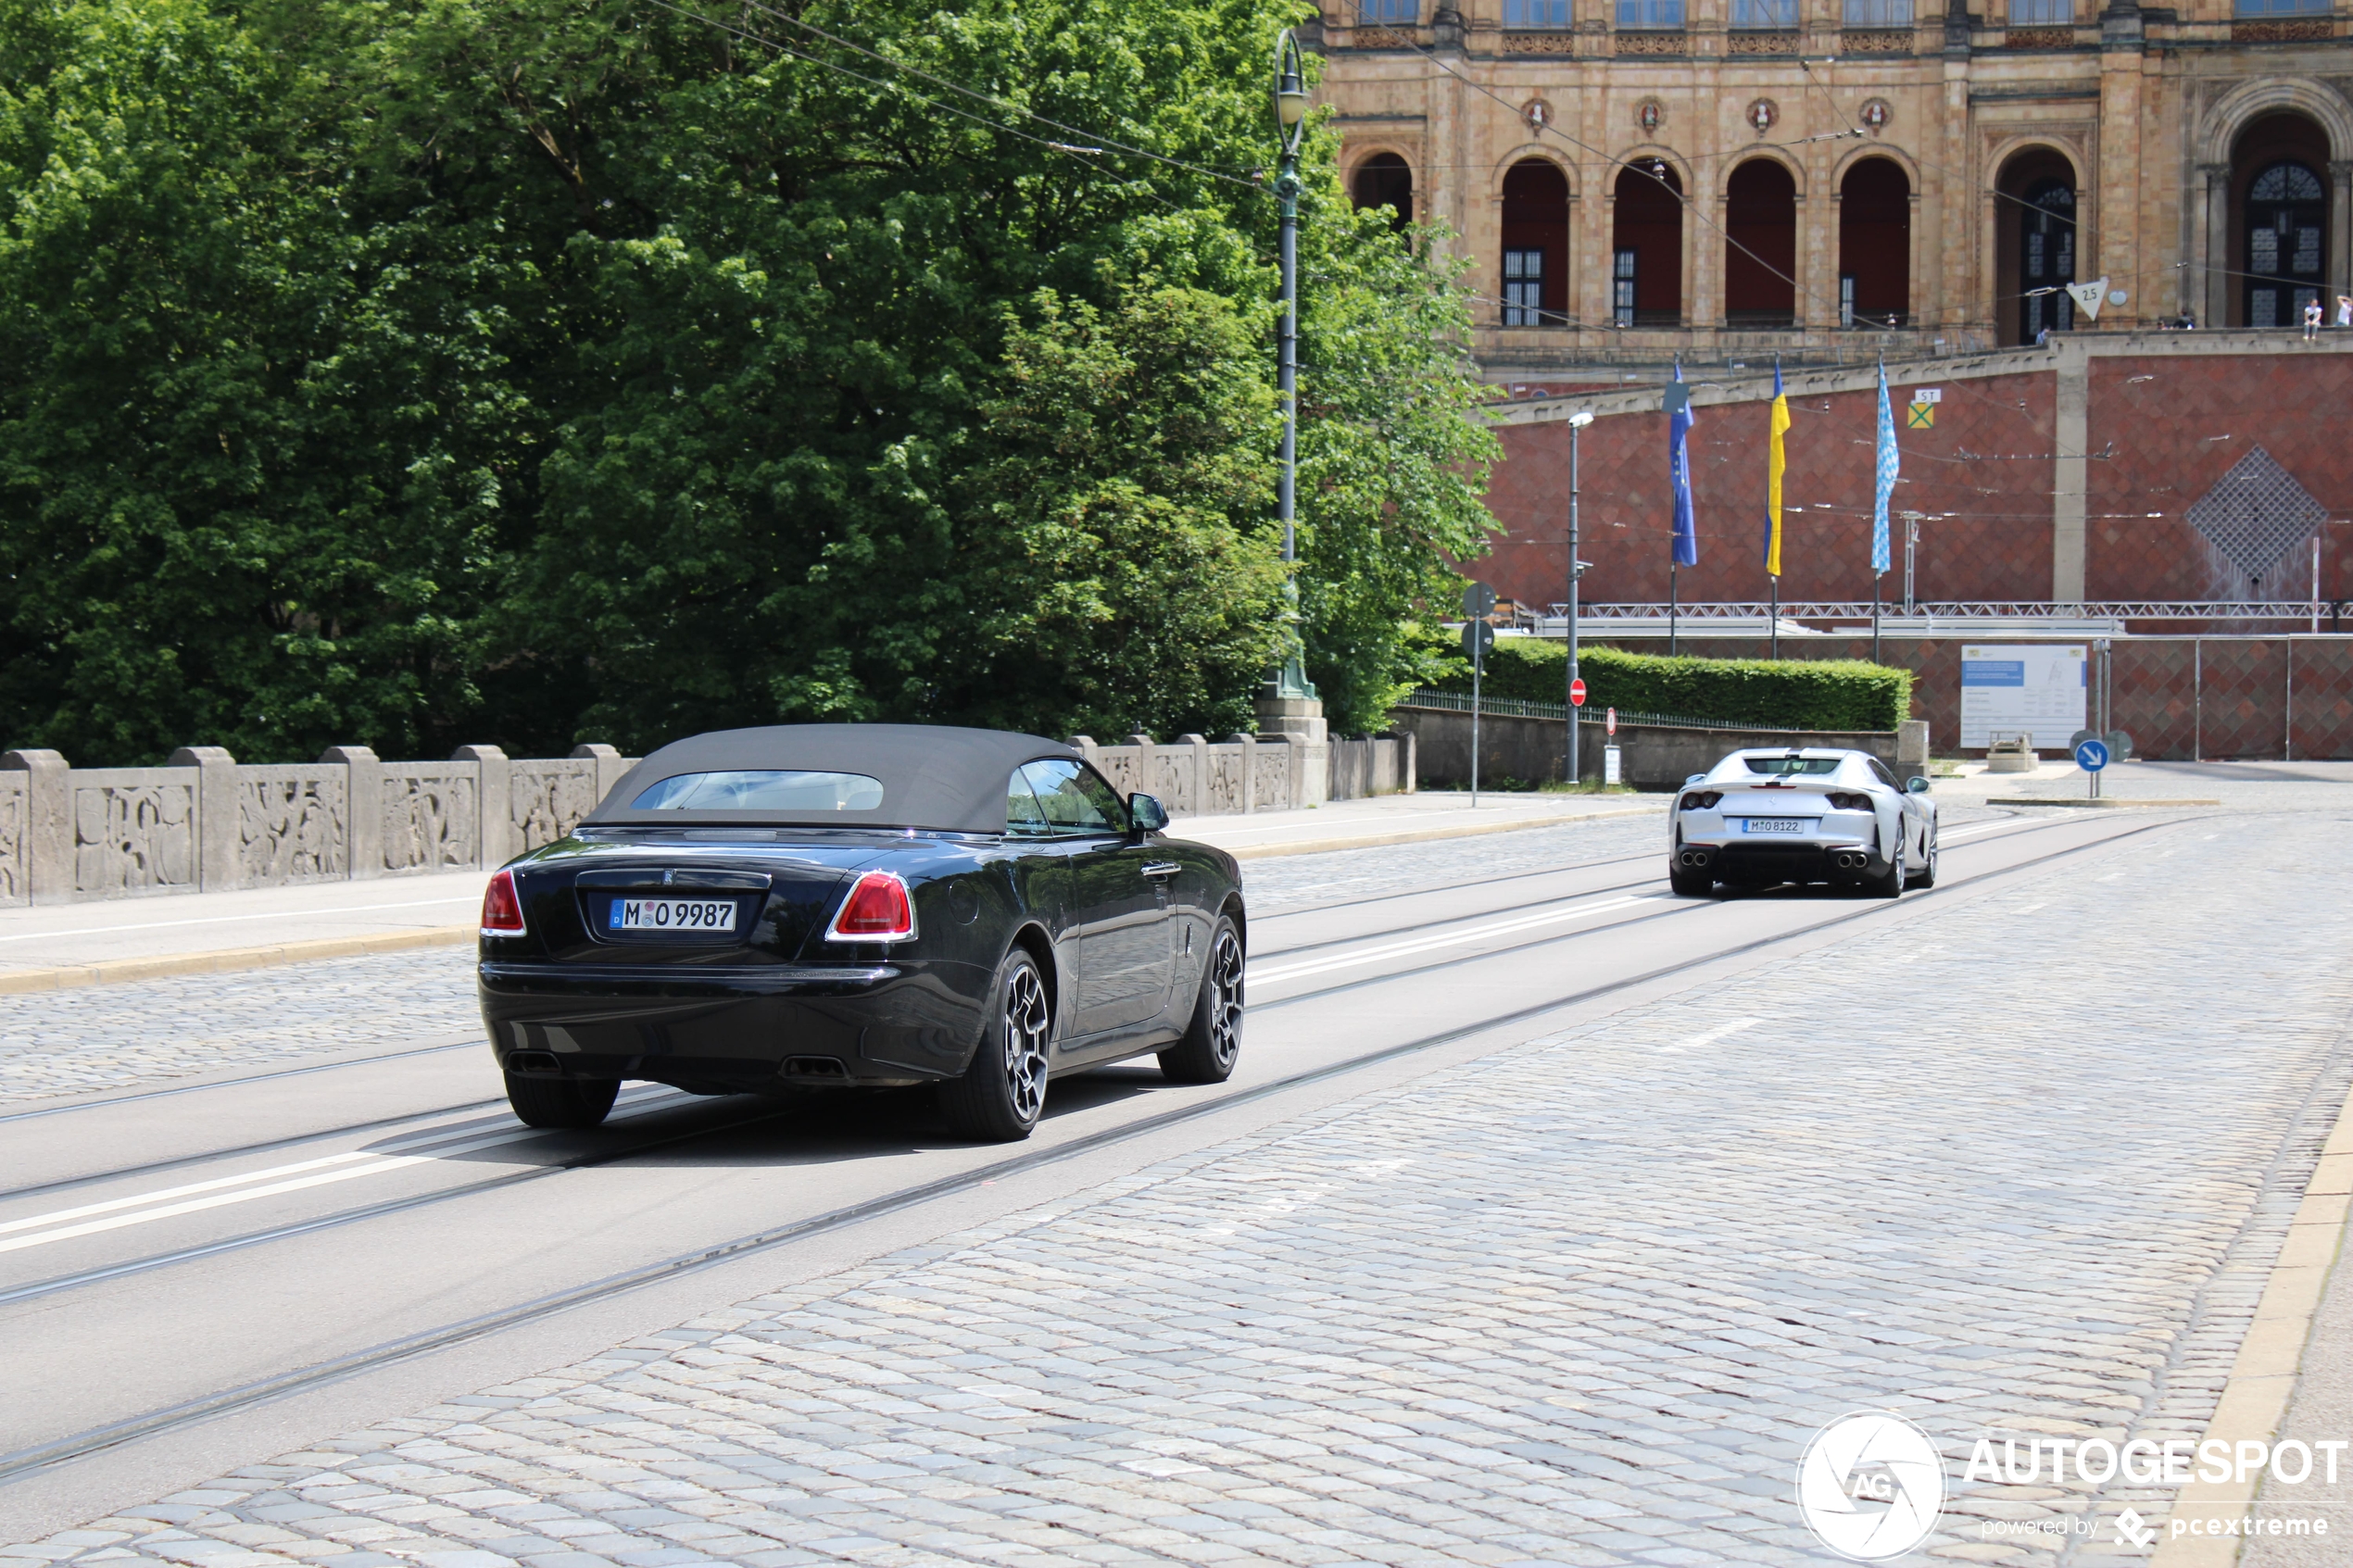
point(1870, 1486)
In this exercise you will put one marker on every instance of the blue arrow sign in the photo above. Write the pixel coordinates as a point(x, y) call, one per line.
point(2090, 756)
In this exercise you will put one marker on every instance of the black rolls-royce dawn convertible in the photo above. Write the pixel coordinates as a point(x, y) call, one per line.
point(828, 906)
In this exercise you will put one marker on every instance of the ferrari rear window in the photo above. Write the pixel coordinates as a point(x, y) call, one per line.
point(764, 789)
point(1782, 767)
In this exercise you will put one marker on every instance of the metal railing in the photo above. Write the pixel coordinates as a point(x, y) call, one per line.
point(1521, 707)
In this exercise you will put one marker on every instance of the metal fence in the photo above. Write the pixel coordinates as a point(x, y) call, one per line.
point(1520, 707)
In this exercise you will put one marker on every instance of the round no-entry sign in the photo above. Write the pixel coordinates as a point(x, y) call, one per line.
point(1576, 693)
point(1609, 723)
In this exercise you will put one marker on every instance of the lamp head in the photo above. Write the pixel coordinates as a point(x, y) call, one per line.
point(1580, 419)
point(1290, 96)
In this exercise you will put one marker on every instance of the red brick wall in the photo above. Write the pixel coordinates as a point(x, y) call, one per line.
point(1987, 459)
point(2176, 426)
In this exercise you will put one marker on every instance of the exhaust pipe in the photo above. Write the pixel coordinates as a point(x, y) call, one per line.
point(1694, 858)
point(1850, 860)
point(532, 1062)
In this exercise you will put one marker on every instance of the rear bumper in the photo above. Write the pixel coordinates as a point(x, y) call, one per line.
point(734, 1029)
point(1781, 860)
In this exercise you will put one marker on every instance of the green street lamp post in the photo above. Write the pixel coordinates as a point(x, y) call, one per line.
point(1289, 683)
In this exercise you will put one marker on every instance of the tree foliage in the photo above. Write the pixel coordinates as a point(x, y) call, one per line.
point(411, 370)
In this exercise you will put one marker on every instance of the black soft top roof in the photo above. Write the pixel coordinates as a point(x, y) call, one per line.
point(932, 777)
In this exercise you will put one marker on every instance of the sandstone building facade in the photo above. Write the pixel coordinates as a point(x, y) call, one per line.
point(1730, 180)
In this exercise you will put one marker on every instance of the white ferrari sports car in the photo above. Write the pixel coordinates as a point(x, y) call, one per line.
point(1759, 817)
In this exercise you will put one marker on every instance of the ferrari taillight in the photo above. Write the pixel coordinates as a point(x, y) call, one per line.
point(502, 910)
point(877, 909)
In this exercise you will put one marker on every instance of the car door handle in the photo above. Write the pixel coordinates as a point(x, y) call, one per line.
point(1161, 868)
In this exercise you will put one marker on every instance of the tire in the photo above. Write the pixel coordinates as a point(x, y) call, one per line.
point(560, 1102)
point(1926, 875)
point(1214, 1039)
point(1691, 885)
point(1000, 1097)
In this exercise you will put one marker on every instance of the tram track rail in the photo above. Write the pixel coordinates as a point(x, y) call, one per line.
point(34, 1458)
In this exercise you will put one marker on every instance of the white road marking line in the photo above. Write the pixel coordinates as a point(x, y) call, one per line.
point(1451, 940)
point(1709, 1036)
point(276, 1179)
point(222, 919)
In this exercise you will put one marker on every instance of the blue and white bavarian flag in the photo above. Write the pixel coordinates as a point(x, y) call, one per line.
point(1678, 461)
point(1890, 465)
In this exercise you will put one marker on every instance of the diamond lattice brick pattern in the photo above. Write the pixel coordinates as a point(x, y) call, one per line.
point(2256, 513)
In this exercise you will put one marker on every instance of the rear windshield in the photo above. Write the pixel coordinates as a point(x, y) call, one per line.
point(1784, 766)
point(763, 790)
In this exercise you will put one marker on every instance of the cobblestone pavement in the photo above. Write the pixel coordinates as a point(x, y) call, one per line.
point(1579, 1302)
point(117, 1036)
point(141, 1032)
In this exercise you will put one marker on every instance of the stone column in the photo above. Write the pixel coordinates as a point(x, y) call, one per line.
point(2069, 433)
point(2214, 247)
point(363, 810)
point(1196, 775)
point(1147, 769)
point(494, 805)
point(2340, 231)
point(48, 824)
point(219, 816)
point(610, 765)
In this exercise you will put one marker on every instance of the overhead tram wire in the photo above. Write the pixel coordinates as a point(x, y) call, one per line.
point(996, 102)
point(1067, 150)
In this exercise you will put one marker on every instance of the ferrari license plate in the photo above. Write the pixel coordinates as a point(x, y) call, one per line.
point(1775, 824)
point(671, 914)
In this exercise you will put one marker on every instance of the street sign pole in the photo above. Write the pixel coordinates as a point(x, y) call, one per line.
point(1478, 635)
point(2092, 755)
point(1576, 571)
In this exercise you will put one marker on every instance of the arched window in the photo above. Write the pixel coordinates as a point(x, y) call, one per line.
point(1760, 245)
point(2047, 260)
point(1385, 179)
point(1535, 244)
point(1646, 247)
point(1874, 245)
point(2286, 228)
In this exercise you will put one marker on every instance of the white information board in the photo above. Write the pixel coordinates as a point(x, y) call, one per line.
point(2021, 688)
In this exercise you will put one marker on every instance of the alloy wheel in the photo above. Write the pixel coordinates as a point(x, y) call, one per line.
point(1225, 998)
point(1028, 1020)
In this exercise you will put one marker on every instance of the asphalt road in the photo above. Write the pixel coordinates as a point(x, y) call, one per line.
point(196, 1275)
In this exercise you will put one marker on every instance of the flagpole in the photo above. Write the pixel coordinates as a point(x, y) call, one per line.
point(1670, 607)
point(1874, 618)
point(1777, 618)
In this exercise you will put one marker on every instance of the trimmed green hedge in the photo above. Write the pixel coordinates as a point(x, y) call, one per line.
point(1845, 693)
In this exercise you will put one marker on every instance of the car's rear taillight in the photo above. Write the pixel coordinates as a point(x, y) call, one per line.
point(877, 909)
point(502, 910)
point(1841, 801)
point(1702, 800)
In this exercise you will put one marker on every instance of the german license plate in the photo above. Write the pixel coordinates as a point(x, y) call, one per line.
point(671, 914)
point(1775, 824)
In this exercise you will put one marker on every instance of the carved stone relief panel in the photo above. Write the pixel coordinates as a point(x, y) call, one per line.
point(1225, 781)
point(548, 799)
point(291, 825)
point(131, 837)
point(16, 880)
point(1273, 777)
point(429, 817)
point(1173, 779)
point(1119, 765)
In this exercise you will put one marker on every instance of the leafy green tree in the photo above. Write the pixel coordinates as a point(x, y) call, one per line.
point(409, 370)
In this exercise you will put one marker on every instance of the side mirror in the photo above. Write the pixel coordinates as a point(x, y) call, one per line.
point(1148, 814)
point(1917, 784)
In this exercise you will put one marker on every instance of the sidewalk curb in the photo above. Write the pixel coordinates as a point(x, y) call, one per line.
point(2262, 1382)
point(1424, 836)
point(226, 960)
